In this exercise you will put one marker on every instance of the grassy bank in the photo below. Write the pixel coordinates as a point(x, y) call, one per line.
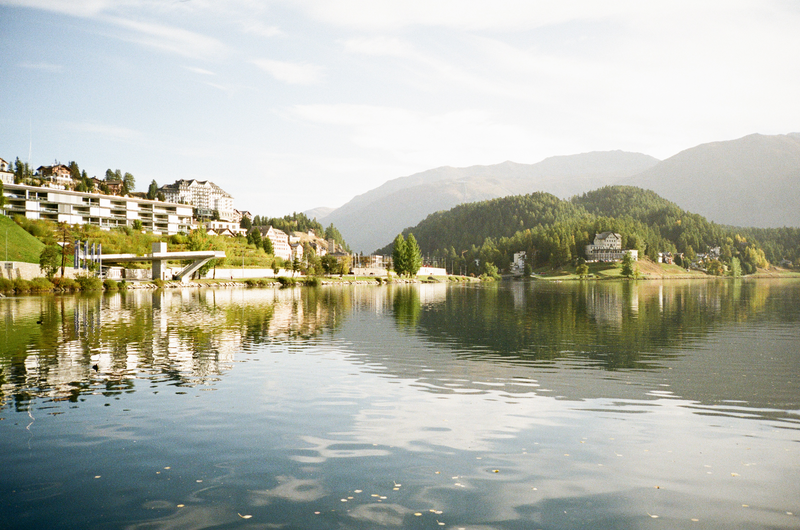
point(648, 270)
point(19, 244)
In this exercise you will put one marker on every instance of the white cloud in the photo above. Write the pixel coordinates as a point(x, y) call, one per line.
point(379, 15)
point(292, 73)
point(256, 27)
point(461, 137)
point(201, 71)
point(100, 129)
point(44, 67)
point(169, 38)
point(380, 46)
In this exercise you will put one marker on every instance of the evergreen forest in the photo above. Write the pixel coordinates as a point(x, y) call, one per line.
point(554, 232)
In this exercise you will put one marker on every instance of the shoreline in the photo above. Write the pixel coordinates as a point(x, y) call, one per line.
point(305, 281)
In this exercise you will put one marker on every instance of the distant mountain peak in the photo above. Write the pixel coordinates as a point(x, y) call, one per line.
point(371, 219)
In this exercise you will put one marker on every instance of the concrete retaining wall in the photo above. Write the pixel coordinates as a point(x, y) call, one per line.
point(233, 274)
point(28, 271)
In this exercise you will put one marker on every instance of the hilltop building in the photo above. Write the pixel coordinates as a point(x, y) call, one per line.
point(204, 196)
point(6, 176)
point(608, 247)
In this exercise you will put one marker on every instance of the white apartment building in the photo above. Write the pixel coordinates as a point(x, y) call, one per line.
point(203, 195)
point(105, 211)
point(280, 242)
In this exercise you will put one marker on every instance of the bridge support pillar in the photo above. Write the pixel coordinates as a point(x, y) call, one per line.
point(159, 273)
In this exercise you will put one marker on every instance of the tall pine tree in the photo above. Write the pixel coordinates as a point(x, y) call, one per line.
point(399, 255)
point(413, 256)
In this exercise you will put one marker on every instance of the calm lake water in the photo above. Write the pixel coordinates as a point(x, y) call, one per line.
point(505, 406)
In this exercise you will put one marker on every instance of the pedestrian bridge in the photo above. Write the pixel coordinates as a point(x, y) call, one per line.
point(159, 257)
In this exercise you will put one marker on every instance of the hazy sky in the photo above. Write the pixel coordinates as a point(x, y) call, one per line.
point(293, 105)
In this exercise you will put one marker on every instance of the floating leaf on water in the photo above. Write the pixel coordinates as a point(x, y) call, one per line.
point(734, 474)
point(395, 489)
point(695, 520)
point(418, 514)
point(167, 467)
point(244, 516)
point(495, 471)
point(356, 491)
point(181, 505)
point(97, 476)
point(439, 522)
point(344, 500)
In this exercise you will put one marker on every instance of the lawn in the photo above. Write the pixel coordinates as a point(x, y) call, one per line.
point(16, 244)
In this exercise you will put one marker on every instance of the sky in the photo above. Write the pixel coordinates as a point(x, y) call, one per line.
point(292, 105)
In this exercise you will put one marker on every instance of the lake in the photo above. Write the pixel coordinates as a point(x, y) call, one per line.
point(516, 405)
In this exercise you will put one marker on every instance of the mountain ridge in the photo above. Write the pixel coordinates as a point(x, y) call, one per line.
point(369, 218)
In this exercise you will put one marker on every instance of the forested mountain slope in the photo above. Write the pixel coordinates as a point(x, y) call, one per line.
point(554, 231)
point(368, 219)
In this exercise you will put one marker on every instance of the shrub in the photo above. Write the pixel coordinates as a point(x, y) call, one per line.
point(313, 281)
point(158, 282)
point(89, 283)
point(22, 286)
point(251, 282)
point(286, 282)
point(110, 285)
point(6, 285)
point(122, 285)
point(64, 284)
point(41, 285)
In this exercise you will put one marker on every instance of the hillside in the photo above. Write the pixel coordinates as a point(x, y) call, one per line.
point(17, 244)
point(752, 181)
point(554, 232)
point(368, 220)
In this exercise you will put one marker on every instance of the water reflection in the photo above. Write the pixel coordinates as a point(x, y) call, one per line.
point(65, 346)
point(515, 405)
point(61, 347)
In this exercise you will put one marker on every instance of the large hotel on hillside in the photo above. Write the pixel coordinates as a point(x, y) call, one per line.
point(105, 211)
point(51, 196)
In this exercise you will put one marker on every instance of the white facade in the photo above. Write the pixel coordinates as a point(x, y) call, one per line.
point(105, 211)
point(608, 247)
point(203, 195)
point(223, 226)
point(518, 263)
point(280, 243)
